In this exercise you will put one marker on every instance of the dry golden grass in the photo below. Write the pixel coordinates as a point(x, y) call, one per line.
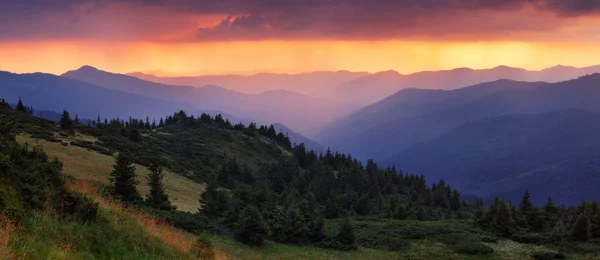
point(181, 241)
point(84, 164)
point(7, 227)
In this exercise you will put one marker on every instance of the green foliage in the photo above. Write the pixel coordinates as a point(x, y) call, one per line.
point(157, 198)
point(250, 227)
point(78, 206)
point(548, 256)
point(581, 229)
point(206, 249)
point(215, 202)
point(123, 179)
point(345, 235)
point(66, 123)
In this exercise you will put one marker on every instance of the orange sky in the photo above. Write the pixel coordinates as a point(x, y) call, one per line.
point(289, 56)
point(180, 37)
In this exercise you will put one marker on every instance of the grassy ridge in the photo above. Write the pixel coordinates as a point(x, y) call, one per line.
point(84, 164)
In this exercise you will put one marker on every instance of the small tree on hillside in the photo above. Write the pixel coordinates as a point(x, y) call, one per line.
point(157, 198)
point(346, 235)
point(123, 179)
point(581, 230)
point(250, 227)
point(66, 123)
point(20, 107)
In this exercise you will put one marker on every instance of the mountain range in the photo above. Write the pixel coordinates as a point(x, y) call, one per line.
point(361, 88)
point(413, 116)
point(549, 154)
point(298, 111)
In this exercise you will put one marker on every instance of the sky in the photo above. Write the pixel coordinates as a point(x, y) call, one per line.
point(186, 37)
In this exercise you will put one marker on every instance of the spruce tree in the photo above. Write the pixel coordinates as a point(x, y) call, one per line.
point(401, 212)
point(345, 235)
point(503, 220)
point(250, 227)
point(157, 198)
point(123, 179)
point(215, 202)
point(526, 206)
point(362, 206)
point(66, 123)
point(581, 229)
point(20, 107)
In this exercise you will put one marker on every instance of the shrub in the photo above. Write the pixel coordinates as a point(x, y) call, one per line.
point(473, 248)
point(77, 205)
point(529, 238)
point(345, 235)
point(548, 256)
point(205, 247)
point(250, 227)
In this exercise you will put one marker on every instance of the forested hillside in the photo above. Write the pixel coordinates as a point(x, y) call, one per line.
point(263, 191)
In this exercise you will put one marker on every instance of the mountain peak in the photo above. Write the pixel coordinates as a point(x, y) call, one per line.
point(88, 67)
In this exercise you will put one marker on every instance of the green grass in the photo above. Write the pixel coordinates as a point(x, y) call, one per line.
point(85, 164)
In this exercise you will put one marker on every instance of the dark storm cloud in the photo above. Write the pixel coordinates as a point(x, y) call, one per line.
point(283, 19)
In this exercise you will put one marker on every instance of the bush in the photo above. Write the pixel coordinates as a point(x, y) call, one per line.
point(548, 256)
point(77, 205)
point(205, 247)
point(250, 227)
point(473, 248)
point(529, 238)
point(345, 235)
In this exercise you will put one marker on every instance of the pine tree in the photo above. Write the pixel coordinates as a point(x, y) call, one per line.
point(401, 212)
point(503, 220)
point(392, 205)
point(526, 206)
point(455, 202)
point(549, 208)
point(123, 179)
point(581, 230)
point(157, 198)
point(362, 206)
point(76, 119)
point(215, 202)
point(345, 235)
point(65, 121)
point(250, 227)
point(20, 107)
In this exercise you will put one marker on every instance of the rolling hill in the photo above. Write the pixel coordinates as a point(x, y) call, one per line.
point(54, 93)
point(550, 154)
point(385, 139)
point(303, 113)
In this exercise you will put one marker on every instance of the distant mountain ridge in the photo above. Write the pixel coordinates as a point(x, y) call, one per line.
point(554, 154)
point(361, 88)
point(432, 117)
point(298, 111)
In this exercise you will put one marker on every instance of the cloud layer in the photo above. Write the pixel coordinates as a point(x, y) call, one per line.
point(231, 20)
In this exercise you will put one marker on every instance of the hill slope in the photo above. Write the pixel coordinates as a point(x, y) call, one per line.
point(550, 154)
point(302, 112)
point(389, 138)
point(54, 93)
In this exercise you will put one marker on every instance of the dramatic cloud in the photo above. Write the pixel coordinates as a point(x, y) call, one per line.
point(217, 20)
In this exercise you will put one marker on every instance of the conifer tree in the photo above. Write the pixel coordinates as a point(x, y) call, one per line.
point(157, 198)
point(76, 119)
point(362, 206)
point(66, 123)
point(123, 179)
point(214, 202)
point(401, 212)
point(503, 220)
point(250, 227)
point(20, 107)
point(526, 206)
point(581, 229)
point(549, 208)
point(345, 235)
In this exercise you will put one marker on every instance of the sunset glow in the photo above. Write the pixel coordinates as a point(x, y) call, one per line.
point(289, 56)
